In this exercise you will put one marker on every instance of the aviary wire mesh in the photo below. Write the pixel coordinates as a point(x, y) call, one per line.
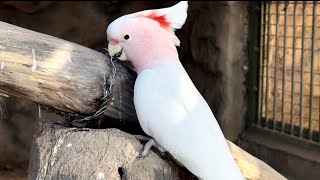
point(289, 93)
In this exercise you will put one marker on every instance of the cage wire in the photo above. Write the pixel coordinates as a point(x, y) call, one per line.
point(290, 68)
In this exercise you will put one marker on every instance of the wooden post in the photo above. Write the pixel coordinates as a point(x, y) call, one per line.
point(59, 152)
point(61, 74)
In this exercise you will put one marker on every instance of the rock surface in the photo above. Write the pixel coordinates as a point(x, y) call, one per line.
point(59, 152)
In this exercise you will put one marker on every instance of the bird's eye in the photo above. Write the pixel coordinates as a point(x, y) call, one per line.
point(126, 37)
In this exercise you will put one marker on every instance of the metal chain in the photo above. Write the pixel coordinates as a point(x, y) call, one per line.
point(108, 92)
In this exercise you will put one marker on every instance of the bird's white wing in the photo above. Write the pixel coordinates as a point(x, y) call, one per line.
point(172, 111)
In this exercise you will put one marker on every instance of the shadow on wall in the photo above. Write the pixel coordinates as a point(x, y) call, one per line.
point(213, 51)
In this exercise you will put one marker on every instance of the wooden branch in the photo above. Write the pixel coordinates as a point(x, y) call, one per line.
point(252, 167)
point(63, 153)
point(61, 74)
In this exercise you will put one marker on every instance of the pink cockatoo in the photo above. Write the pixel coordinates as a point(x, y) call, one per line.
point(169, 107)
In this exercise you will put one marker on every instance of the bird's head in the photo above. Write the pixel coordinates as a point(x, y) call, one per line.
point(146, 35)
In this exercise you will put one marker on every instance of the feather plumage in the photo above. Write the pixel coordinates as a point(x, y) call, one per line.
point(172, 111)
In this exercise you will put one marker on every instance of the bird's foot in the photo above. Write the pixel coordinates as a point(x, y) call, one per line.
point(142, 138)
point(146, 148)
point(150, 143)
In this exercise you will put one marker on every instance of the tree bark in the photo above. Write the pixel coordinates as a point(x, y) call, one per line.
point(61, 74)
point(65, 153)
point(252, 167)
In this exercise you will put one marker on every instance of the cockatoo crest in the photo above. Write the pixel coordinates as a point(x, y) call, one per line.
point(171, 18)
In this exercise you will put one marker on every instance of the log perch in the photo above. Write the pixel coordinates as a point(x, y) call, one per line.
point(64, 153)
point(61, 74)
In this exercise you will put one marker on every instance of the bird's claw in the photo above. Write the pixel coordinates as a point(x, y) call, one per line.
point(146, 148)
point(142, 138)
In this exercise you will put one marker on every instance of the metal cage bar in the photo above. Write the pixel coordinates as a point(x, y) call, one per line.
point(312, 68)
point(276, 67)
point(261, 70)
point(293, 65)
point(302, 69)
point(267, 71)
point(284, 67)
point(289, 69)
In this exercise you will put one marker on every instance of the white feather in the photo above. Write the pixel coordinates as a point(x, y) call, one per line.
point(176, 14)
point(172, 111)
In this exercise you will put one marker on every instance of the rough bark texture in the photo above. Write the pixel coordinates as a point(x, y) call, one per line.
point(252, 167)
point(65, 153)
point(61, 74)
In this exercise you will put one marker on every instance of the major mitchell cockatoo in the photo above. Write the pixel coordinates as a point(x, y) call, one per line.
point(169, 107)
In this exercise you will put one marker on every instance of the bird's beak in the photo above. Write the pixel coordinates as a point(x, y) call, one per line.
point(115, 50)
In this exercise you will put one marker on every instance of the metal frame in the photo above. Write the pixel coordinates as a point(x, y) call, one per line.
point(260, 59)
